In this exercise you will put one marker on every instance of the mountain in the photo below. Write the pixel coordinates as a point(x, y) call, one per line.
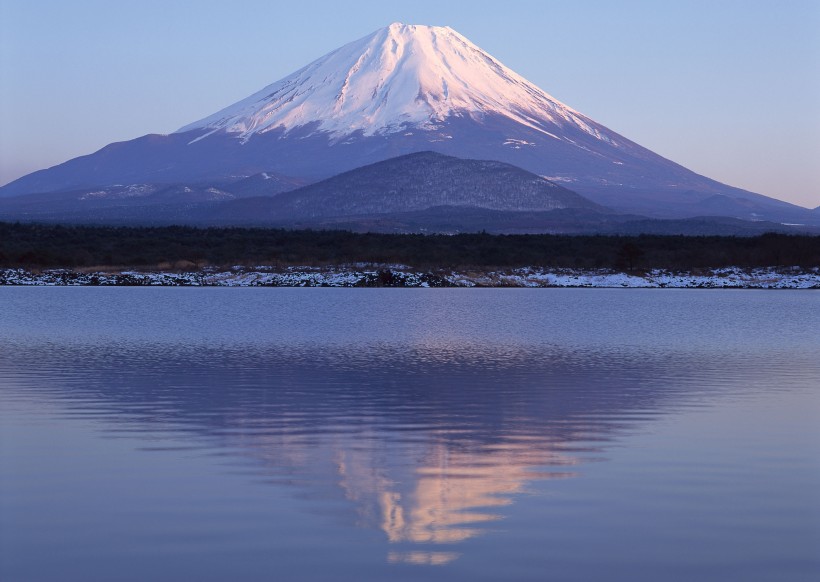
point(140, 203)
point(410, 183)
point(423, 192)
point(406, 89)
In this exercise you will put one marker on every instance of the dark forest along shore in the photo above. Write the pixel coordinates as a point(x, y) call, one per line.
point(39, 246)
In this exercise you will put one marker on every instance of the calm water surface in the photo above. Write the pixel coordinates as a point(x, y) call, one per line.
point(331, 434)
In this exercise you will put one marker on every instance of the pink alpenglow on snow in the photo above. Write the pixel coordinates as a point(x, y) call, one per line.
point(399, 75)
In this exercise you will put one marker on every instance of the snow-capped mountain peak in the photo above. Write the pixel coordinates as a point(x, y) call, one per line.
point(402, 90)
point(400, 76)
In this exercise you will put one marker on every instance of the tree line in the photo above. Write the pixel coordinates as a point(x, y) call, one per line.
point(50, 246)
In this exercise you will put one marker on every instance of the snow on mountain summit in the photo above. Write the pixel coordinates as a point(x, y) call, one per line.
point(398, 77)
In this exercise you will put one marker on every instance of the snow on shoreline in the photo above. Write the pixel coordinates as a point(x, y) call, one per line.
point(400, 276)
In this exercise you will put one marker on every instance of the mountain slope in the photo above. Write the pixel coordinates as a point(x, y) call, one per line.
point(402, 75)
point(143, 203)
point(414, 182)
point(406, 89)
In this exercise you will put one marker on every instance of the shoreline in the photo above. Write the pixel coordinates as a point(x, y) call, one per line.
point(402, 276)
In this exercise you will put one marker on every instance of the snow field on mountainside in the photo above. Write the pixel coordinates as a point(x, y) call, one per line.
point(399, 76)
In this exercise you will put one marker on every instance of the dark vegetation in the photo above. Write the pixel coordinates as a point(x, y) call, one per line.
point(413, 183)
point(46, 246)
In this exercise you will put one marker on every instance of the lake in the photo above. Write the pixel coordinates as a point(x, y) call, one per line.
point(390, 434)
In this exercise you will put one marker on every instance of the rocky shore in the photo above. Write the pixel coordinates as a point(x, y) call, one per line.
point(399, 276)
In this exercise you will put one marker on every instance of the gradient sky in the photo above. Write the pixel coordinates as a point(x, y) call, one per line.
point(728, 88)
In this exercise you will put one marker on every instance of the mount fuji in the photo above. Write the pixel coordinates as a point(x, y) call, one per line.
point(406, 89)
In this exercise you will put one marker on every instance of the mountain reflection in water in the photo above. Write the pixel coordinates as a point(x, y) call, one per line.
point(317, 434)
point(427, 443)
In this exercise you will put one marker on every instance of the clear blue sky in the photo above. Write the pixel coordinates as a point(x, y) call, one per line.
point(728, 88)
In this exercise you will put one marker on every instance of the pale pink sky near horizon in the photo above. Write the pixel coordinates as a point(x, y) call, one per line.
point(730, 90)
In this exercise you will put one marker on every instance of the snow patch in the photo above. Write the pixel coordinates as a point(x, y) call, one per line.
point(517, 143)
point(121, 192)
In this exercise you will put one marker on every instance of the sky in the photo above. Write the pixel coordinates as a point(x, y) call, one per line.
point(728, 88)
